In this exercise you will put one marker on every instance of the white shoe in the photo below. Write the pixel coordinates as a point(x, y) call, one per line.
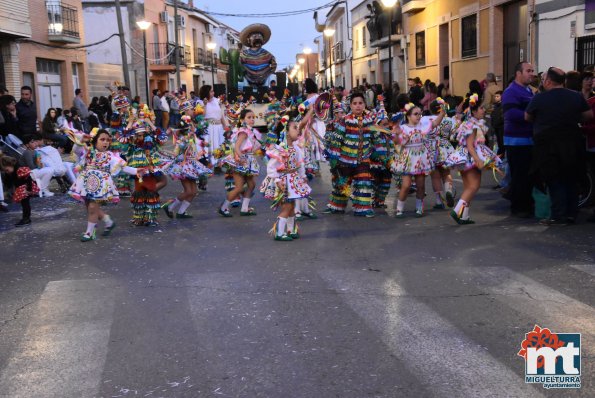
point(47, 194)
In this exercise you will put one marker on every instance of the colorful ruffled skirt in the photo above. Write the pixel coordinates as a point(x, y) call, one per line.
point(247, 165)
point(94, 185)
point(413, 160)
point(461, 160)
point(186, 169)
point(288, 187)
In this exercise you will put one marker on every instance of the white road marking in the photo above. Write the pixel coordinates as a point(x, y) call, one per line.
point(63, 351)
point(450, 364)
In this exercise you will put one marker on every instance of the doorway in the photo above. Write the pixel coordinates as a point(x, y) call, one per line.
point(515, 37)
point(50, 96)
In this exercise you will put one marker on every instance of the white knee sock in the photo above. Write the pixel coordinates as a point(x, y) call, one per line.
point(245, 205)
point(183, 207)
point(465, 215)
point(175, 205)
point(419, 204)
point(448, 187)
point(107, 220)
point(90, 228)
point(305, 206)
point(281, 226)
point(439, 198)
point(225, 205)
point(290, 224)
point(400, 205)
point(460, 207)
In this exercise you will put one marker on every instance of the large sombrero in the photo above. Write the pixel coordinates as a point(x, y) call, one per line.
point(322, 106)
point(255, 28)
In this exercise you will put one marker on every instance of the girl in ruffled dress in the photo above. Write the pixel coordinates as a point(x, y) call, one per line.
point(246, 143)
point(25, 187)
point(286, 181)
point(414, 161)
point(95, 186)
point(440, 149)
point(185, 167)
point(471, 156)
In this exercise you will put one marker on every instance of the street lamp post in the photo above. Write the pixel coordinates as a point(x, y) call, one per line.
point(390, 4)
point(211, 47)
point(330, 32)
point(144, 25)
point(307, 51)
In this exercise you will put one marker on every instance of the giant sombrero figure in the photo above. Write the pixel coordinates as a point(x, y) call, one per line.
point(257, 62)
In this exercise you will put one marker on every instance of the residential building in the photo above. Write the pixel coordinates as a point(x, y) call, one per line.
point(365, 56)
point(15, 23)
point(44, 61)
point(337, 47)
point(198, 66)
point(461, 40)
point(565, 34)
point(105, 60)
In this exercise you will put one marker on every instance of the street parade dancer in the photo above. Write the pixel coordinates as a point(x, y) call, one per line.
point(350, 148)
point(470, 157)
point(381, 176)
point(185, 167)
point(119, 145)
point(414, 160)
point(144, 152)
point(246, 144)
point(438, 142)
point(286, 181)
point(94, 185)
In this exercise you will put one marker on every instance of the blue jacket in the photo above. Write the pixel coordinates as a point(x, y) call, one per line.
point(517, 131)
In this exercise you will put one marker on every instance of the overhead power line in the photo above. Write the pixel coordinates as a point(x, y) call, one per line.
point(66, 47)
point(273, 14)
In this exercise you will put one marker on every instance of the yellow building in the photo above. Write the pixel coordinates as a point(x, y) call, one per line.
point(461, 40)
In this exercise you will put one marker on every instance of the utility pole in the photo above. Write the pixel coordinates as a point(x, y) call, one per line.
point(123, 45)
point(177, 50)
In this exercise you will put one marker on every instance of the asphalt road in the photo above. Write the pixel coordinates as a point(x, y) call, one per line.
point(213, 307)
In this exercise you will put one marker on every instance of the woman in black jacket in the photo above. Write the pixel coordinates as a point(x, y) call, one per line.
point(51, 131)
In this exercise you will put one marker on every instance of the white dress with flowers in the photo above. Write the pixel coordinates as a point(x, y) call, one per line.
point(461, 158)
point(286, 174)
point(442, 146)
point(414, 157)
point(186, 164)
point(95, 182)
point(247, 164)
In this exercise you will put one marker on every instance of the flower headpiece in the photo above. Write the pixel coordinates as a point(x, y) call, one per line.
point(473, 99)
point(199, 109)
point(409, 106)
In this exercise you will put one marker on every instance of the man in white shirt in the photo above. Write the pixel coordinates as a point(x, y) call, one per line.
point(165, 110)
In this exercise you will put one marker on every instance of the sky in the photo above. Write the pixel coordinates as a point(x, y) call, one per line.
point(289, 34)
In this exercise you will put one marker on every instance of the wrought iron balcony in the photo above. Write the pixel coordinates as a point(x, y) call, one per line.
point(165, 54)
point(203, 57)
point(338, 53)
point(63, 24)
point(200, 57)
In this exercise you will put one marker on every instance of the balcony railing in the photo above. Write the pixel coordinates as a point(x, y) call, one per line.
point(338, 53)
point(63, 24)
point(164, 54)
point(199, 56)
point(203, 58)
